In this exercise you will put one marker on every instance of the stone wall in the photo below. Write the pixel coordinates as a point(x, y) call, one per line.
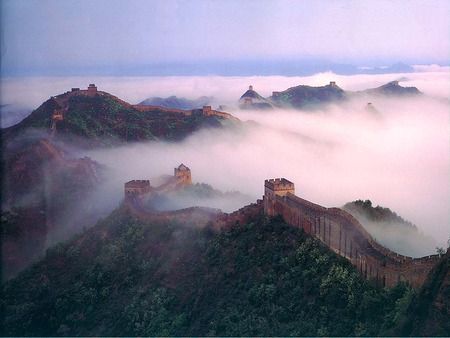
point(343, 234)
point(137, 188)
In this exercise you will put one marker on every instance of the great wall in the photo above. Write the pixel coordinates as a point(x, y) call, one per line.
point(334, 227)
point(343, 234)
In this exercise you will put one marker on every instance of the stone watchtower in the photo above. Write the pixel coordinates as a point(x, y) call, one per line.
point(272, 187)
point(92, 89)
point(206, 110)
point(183, 174)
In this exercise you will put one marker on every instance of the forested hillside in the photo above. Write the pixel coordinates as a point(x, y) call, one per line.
point(126, 276)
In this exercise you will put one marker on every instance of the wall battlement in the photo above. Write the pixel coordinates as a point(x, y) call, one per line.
point(343, 234)
point(281, 186)
point(137, 188)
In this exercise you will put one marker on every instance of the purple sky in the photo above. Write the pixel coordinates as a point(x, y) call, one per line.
point(54, 35)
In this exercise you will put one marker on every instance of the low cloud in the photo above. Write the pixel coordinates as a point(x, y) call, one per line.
point(397, 157)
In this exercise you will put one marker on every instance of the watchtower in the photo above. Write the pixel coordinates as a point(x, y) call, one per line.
point(333, 83)
point(278, 186)
point(92, 88)
point(250, 87)
point(183, 174)
point(272, 188)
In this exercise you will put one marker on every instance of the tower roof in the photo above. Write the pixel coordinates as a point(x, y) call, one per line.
point(182, 167)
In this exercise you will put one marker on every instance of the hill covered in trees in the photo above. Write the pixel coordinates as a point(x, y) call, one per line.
point(128, 276)
point(390, 229)
point(91, 118)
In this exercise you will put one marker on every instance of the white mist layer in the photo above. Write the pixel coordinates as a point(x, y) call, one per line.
point(29, 93)
point(398, 158)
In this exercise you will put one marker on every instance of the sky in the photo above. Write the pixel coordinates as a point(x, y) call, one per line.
point(55, 37)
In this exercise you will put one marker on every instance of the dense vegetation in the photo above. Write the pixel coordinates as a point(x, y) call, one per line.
point(127, 276)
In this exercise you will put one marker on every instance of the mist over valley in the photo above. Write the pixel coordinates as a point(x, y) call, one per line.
point(395, 154)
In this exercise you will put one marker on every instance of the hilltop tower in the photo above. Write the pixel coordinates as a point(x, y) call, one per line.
point(275, 187)
point(206, 110)
point(92, 89)
point(250, 87)
point(183, 174)
point(333, 84)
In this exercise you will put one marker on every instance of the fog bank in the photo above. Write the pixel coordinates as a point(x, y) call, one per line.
point(398, 157)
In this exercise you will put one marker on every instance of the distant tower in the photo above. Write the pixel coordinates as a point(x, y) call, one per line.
point(333, 83)
point(206, 110)
point(250, 87)
point(183, 173)
point(92, 89)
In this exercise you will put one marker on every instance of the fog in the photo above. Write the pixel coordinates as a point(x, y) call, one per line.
point(398, 156)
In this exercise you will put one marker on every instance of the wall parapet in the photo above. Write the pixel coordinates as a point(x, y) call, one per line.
point(308, 204)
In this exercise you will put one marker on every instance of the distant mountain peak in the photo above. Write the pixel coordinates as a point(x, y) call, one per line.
point(393, 88)
point(252, 100)
point(251, 94)
point(306, 97)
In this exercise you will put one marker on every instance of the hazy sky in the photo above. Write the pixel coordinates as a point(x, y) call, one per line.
point(51, 36)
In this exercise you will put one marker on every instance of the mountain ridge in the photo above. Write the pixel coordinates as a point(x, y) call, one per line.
point(309, 97)
point(100, 119)
point(175, 102)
